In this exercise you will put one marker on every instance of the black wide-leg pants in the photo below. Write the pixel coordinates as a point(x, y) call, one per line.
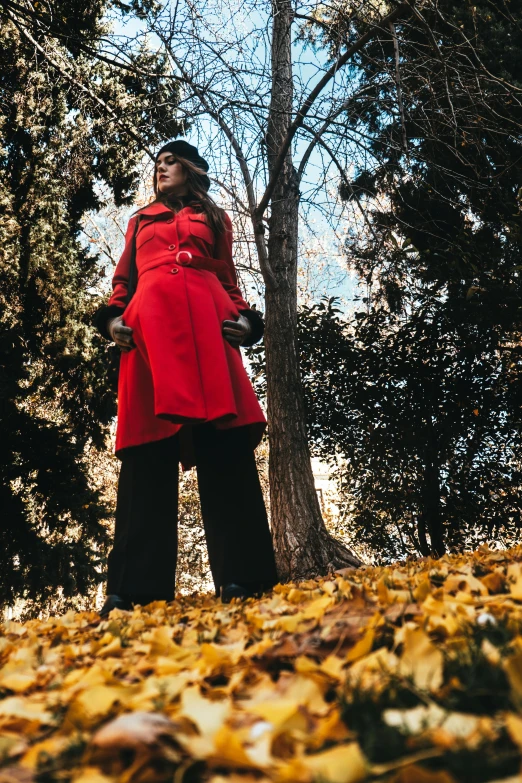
point(142, 563)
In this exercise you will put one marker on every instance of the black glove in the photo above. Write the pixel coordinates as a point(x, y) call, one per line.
point(236, 332)
point(121, 334)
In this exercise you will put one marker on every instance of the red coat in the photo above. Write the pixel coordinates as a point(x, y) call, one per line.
point(182, 371)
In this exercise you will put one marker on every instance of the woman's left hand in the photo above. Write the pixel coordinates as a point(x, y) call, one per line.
point(236, 332)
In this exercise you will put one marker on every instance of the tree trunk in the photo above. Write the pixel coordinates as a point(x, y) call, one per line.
point(432, 507)
point(302, 544)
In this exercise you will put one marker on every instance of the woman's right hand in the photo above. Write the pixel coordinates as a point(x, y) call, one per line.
point(121, 334)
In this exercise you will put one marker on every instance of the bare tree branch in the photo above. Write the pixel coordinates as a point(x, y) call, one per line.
point(327, 124)
point(217, 116)
point(344, 178)
point(399, 88)
point(307, 104)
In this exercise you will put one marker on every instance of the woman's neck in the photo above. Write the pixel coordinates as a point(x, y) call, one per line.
point(177, 202)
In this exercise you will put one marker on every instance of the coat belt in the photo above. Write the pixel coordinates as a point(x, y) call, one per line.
point(185, 258)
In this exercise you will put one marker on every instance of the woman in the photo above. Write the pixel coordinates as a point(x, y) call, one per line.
point(183, 393)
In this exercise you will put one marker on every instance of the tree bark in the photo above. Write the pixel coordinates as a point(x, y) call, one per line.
point(432, 513)
point(302, 544)
point(432, 508)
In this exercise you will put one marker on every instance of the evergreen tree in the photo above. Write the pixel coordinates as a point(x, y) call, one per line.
point(423, 397)
point(426, 414)
point(68, 120)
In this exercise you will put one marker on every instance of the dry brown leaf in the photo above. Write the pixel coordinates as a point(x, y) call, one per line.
point(132, 731)
point(404, 611)
point(16, 774)
point(494, 581)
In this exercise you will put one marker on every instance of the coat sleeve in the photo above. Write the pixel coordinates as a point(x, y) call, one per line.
point(118, 300)
point(228, 279)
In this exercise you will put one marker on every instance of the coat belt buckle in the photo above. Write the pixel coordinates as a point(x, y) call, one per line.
point(184, 253)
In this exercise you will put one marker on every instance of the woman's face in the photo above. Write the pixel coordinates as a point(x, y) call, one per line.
point(171, 177)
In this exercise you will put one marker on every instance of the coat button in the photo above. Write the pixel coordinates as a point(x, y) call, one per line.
point(172, 247)
point(174, 271)
point(170, 220)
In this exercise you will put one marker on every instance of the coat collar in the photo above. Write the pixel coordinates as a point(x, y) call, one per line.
point(157, 208)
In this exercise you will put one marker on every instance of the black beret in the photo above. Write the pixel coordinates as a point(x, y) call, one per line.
point(185, 150)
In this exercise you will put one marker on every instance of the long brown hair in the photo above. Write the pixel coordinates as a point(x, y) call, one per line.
point(197, 196)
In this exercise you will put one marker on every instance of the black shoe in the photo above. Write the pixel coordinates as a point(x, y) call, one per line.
point(231, 590)
point(114, 602)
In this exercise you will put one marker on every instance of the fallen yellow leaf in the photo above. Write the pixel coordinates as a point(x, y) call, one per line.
point(92, 775)
point(421, 660)
point(343, 764)
point(90, 706)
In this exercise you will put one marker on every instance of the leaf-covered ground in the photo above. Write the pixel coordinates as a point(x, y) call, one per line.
point(410, 674)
